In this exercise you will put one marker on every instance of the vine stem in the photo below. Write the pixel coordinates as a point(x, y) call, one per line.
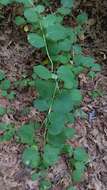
point(48, 113)
point(45, 42)
point(52, 69)
point(46, 46)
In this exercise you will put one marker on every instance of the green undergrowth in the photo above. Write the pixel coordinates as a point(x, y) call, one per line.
point(56, 81)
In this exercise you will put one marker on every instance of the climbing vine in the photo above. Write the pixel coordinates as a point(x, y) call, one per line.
point(56, 81)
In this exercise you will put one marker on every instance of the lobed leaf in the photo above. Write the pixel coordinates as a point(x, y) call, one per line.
point(65, 74)
point(54, 31)
point(64, 11)
point(36, 40)
point(31, 15)
point(46, 88)
point(69, 132)
point(56, 140)
point(42, 72)
point(31, 157)
point(80, 154)
point(50, 20)
point(56, 123)
point(26, 134)
point(51, 155)
point(41, 104)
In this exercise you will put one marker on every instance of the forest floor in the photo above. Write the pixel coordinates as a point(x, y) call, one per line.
point(16, 59)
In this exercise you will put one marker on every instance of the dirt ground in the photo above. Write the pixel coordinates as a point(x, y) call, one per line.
point(17, 58)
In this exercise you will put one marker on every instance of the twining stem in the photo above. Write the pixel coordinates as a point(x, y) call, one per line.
point(48, 113)
point(52, 69)
point(44, 38)
point(46, 46)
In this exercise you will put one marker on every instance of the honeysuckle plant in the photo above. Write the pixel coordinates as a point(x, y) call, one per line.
point(56, 81)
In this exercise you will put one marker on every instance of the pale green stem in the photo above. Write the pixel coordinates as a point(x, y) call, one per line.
point(46, 46)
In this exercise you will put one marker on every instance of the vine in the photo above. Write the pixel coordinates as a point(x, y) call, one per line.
point(57, 86)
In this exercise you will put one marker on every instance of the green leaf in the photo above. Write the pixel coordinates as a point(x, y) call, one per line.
point(80, 166)
point(25, 2)
point(67, 3)
point(45, 185)
point(39, 8)
point(5, 85)
point(69, 132)
point(63, 103)
point(11, 96)
point(50, 20)
point(65, 45)
point(56, 123)
point(79, 30)
point(64, 11)
point(31, 157)
point(19, 20)
point(8, 132)
point(65, 74)
point(96, 67)
point(2, 111)
point(77, 70)
point(26, 134)
point(85, 61)
point(5, 2)
point(42, 72)
point(2, 75)
point(4, 126)
point(77, 175)
point(71, 35)
point(31, 15)
point(36, 40)
point(46, 89)
point(80, 154)
point(70, 118)
point(64, 59)
point(4, 93)
point(8, 135)
point(68, 149)
point(76, 96)
point(92, 74)
point(41, 105)
point(82, 18)
point(54, 31)
point(56, 140)
point(51, 155)
point(77, 49)
point(35, 176)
